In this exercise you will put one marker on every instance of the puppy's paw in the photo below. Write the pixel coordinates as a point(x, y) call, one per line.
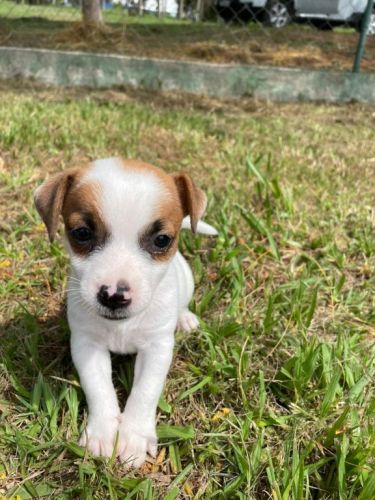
point(134, 443)
point(187, 321)
point(99, 437)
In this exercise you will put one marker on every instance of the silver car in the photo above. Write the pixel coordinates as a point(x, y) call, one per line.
point(279, 13)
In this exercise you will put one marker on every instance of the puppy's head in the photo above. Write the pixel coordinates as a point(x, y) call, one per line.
point(122, 221)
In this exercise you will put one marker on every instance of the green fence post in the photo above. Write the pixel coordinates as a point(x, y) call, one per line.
point(362, 36)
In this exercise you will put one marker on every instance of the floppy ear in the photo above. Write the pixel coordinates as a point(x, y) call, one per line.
point(193, 200)
point(49, 199)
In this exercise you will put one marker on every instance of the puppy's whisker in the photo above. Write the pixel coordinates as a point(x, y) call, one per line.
point(78, 300)
point(73, 278)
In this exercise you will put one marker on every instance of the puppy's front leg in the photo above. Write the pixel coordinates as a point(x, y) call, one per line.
point(137, 431)
point(93, 364)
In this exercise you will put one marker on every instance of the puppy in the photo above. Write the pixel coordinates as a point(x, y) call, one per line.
point(129, 287)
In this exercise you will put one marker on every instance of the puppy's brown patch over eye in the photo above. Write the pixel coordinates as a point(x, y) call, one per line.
point(159, 240)
point(84, 235)
point(84, 225)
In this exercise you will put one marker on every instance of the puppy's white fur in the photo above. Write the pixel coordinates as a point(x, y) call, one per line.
point(160, 294)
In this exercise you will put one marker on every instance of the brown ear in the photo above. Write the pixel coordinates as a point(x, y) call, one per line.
point(193, 200)
point(49, 199)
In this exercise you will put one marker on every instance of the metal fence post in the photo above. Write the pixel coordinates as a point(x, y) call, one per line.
point(362, 36)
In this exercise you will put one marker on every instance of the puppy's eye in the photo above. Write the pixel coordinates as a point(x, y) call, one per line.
point(162, 241)
point(82, 234)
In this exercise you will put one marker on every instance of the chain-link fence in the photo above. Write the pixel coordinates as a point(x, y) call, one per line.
point(289, 33)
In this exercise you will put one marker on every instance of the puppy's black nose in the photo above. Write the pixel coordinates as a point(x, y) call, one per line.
point(115, 301)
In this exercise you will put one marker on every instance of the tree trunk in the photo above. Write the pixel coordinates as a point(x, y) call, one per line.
point(140, 7)
point(199, 10)
point(92, 13)
point(181, 9)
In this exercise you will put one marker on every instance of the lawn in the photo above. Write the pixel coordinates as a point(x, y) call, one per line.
point(54, 27)
point(273, 396)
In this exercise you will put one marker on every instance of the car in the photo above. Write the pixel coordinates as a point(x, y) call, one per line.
point(324, 14)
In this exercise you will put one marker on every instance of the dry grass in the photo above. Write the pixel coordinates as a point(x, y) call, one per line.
point(294, 46)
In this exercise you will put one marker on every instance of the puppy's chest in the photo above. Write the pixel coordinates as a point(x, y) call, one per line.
point(125, 340)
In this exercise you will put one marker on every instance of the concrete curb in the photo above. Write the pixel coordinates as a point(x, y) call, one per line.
point(223, 80)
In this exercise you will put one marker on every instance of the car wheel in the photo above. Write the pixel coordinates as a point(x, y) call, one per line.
point(278, 13)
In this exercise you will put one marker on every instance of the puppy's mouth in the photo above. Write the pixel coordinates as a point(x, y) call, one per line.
point(115, 315)
point(113, 318)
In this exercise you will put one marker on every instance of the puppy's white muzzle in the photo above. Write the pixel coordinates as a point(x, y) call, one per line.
point(116, 282)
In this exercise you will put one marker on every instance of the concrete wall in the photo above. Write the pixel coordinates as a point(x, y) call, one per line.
point(223, 80)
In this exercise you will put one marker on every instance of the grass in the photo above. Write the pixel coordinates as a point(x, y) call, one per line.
point(57, 27)
point(273, 397)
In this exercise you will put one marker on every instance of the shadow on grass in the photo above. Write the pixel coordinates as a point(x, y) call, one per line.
point(32, 346)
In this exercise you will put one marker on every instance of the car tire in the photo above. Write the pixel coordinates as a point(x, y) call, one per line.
point(278, 13)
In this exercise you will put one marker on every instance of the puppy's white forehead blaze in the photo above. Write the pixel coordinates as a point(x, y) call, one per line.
point(132, 195)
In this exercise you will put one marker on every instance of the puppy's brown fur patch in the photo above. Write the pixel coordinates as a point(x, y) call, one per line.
point(169, 210)
point(81, 210)
point(50, 198)
point(192, 199)
point(185, 196)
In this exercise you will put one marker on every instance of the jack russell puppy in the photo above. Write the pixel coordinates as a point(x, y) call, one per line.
point(129, 287)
